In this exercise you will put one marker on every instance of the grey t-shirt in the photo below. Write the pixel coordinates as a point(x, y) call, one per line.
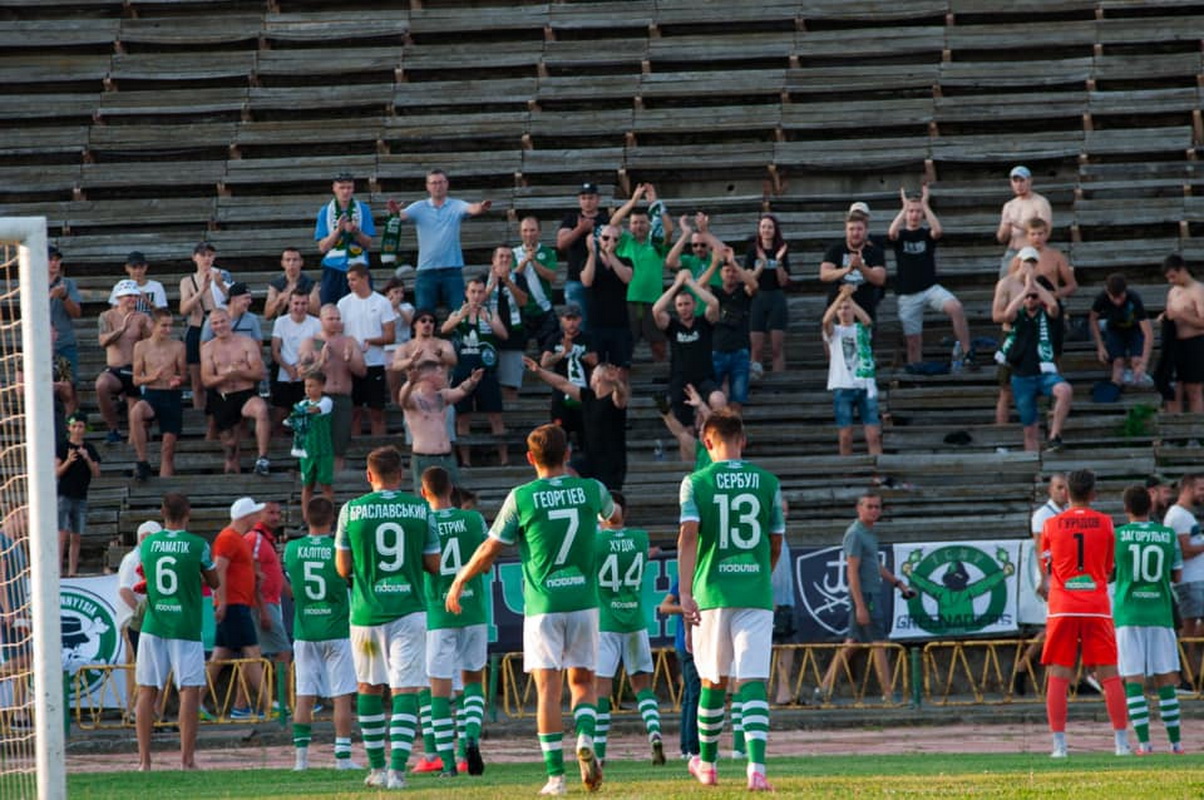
point(861, 542)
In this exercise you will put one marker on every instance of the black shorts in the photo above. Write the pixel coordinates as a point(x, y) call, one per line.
point(168, 409)
point(371, 390)
point(487, 397)
point(192, 344)
point(613, 345)
point(767, 312)
point(126, 376)
point(286, 394)
point(1189, 359)
point(227, 408)
point(237, 629)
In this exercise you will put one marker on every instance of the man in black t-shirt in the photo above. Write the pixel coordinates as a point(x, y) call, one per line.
point(1029, 351)
point(605, 277)
point(731, 340)
point(857, 261)
point(690, 344)
point(1122, 331)
point(76, 463)
point(577, 228)
point(572, 358)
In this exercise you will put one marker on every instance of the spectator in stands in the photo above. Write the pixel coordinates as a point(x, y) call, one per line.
point(736, 293)
point(130, 608)
point(767, 256)
point(1029, 351)
point(231, 369)
point(1162, 493)
point(690, 338)
point(1007, 289)
point(424, 345)
point(343, 231)
point(426, 400)
point(282, 287)
point(243, 321)
point(1122, 332)
point(1190, 590)
point(506, 294)
point(160, 368)
point(76, 463)
point(690, 449)
point(847, 332)
point(645, 243)
point(572, 358)
point(706, 250)
point(1185, 308)
point(915, 258)
point(151, 294)
point(537, 263)
point(368, 318)
point(196, 301)
point(440, 257)
point(273, 638)
point(475, 332)
point(858, 262)
point(605, 277)
point(1013, 220)
point(340, 358)
point(120, 329)
point(288, 334)
point(403, 331)
point(576, 230)
point(1054, 273)
point(65, 303)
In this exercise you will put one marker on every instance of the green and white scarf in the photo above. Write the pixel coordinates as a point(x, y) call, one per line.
point(346, 245)
point(1045, 352)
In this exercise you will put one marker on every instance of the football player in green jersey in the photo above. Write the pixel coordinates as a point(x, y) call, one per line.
point(1147, 563)
point(622, 553)
point(730, 538)
point(322, 647)
point(384, 541)
point(554, 522)
point(171, 631)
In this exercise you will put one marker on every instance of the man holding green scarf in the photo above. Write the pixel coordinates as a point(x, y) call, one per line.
point(848, 332)
point(344, 232)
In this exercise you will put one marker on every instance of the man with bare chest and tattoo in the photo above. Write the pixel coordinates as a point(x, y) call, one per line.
point(426, 399)
point(160, 369)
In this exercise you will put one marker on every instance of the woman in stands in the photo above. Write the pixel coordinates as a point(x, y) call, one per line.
point(768, 311)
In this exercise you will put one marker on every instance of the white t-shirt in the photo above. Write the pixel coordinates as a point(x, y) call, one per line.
point(842, 361)
point(401, 331)
point(364, 318)
point(1182, 521)
point(291, 334)
point(127, 576)
point(1048, 511)
point(152, 288)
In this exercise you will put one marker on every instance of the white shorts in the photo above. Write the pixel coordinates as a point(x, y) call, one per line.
point(324, 669)
point(633, 648)
point(449, 651)
point(911, 307)
point(1146, 650)
point(181, 658)
point(734, 641)
point(561, 640)
point(393, 653)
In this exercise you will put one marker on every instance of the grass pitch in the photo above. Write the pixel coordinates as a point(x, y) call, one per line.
point(1023, 775)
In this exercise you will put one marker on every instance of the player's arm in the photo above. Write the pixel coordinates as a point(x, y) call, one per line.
point(775, 550)
point(480, 563)
point(687, 557)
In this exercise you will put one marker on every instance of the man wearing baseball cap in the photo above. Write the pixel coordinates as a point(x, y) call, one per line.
point(151, 294)
point(576, 227)
point(1016, 213)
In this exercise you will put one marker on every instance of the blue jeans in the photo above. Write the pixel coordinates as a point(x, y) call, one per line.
point(734, 367)
point(430, 284)
point(575, 292)
point(1026, 388)
point(691, 694)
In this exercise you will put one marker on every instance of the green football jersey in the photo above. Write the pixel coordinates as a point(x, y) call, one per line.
point(321, 606)
point(554, 521)
point(172, 562)
point(387, 533)
point(1146, 553)
point(621, 555)
point(460, 533)
point(737, 506)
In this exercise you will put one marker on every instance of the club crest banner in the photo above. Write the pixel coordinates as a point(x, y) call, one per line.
point(963, 589)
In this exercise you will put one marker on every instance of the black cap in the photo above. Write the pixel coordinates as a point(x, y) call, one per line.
point(78, 416)
point(343, 177)
point(135, 258)
point(203, 247)
point(54, 252)
point(588, 188)
point(238, 289)
point(571, 310)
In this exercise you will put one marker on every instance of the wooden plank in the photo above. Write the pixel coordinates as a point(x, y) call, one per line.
point(37, 178)
point(334, 26)
point(1144, 101)
point(293, 170)
point(1012, 107)
point(58, 35)
point(318, 61)
point(1144, 66)
point(1014, 74)
point(871, 11)
point(739, 83)
point(1152, 30)
point(1021, 35)
point(183, 101)
point(845, 115)
point(278, 98)
point(564, 54)
point(461, 165)
point(75, 105)
point(444, 127)
point(440, 21)
point(1131, 141)
point(143, 212)
point(1008, 149)
point(143, 137)
point(31, 141)
point(145, 174)
point(603, 15)
point(615, 87)
point(293, 132)
point(701, 156)
point(709, 48)
point(589, 161)
point(853, 154)
point(503, 54)
point(192, 29)
point(1124, 211)
point(511, 91)
point(749, 118)
point(176, 66)
point(22, 68)
point(680, 12)
point(893, 42)
point(851, 80)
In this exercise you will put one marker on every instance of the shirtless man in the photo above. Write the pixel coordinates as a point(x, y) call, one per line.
point(196, 301)
point(120, 328)
point(231, 368)
point(160, 368)
point(340, 359)
point(1006, 289)
point(1185, 308)
point(1016, 212)
point(425, 400)
point(424, 346)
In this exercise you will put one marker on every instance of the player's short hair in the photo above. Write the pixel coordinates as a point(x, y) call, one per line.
point(1174, 262)
point(176, 507)
point(437, 482)
point(724, 424)
point(1036, 224)
point(1137, 500)
point(385, 462)
point(1116, 284)
point(548, 445)
point(317, 375)
point(319, 512)
point(620, 500)
point(358, 269)
point(1080, 483)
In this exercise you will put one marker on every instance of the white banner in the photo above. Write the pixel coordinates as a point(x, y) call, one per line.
point(964, 589)
point(1032, 609)
point(88, 611)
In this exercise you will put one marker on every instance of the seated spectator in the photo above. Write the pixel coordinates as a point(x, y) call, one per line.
point(292, 279)
point(1029, 351)
point(690, 338)
point(151, 294)
point(475, 332)
point(403, 331)
point(767, 256)
point(915, 259)
point(735, 293)
point(343, 231)
point(605, 277)
point(120, 329)
point(847, 332)
point(231, 369)
point(507, 295)
point(536, 262)
point(288, 332)
point(1122, 332)
point(196, 301)
point(572, 358)
point(858, 262)
point(243, 321)
point(65, 303)
point(368, 318)
point(159, 371)
point(706, 250)
point(645, 243)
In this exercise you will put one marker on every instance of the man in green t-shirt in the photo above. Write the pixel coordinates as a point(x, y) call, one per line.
point(622, 553)
point(1148, 561)
point(731, 534)
point(455, 640)
point(322, 646)
point(172, 561)
point(384, 541)
point(644, 244)
point(554, 522)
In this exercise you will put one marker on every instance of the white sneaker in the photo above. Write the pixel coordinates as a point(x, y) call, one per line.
point(1059, 751)
point(756, 371)
point(346, 763)
point(555, 786)
point(1124, 750)
point(376, 778)
point(396, 780)
point(301, 764)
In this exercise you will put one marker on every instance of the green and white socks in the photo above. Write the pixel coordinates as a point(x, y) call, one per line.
point(401, 730)
point(650, 712)
point(710, 724)
point(370, 708)
point(602, 728)
point(755, 710)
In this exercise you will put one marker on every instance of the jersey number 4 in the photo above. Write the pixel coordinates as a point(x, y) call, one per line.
point(608, 576)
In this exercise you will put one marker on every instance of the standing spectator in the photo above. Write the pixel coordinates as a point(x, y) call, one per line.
point(269, 623)
point(403, 331)
point(1162, 493)
point(343, 231)
point(340, 359)
point(537, 263)
point(858, 262)
point(171, 632)
point(243, 321)
point(231, 368)
point(160, 366)
point(476, 331)
point(847, 332)
point(288, 333)
point(426, 401)
point(1185, 307)
point(645, 243)
point(1029, 351)
point(65, 303)
point(736, 293)
point(915, 258)
point(151, 293)
point(691, 339)
point(440, 257)
point(311, 422)
point(75, 465)
point(706, 250)
point(767, 252)
point(120, 329)
point(1122, 332)
point(783, 622)
point(691, 686)
point(131, 609)
point(282, 287)
point(368, 318)
point(507, 295)
point(573, 359)
point(1016, 213)
point(1190, 588)
point(576, 230)
point(605, 278)
point(196, 301)
point(1055, 504)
